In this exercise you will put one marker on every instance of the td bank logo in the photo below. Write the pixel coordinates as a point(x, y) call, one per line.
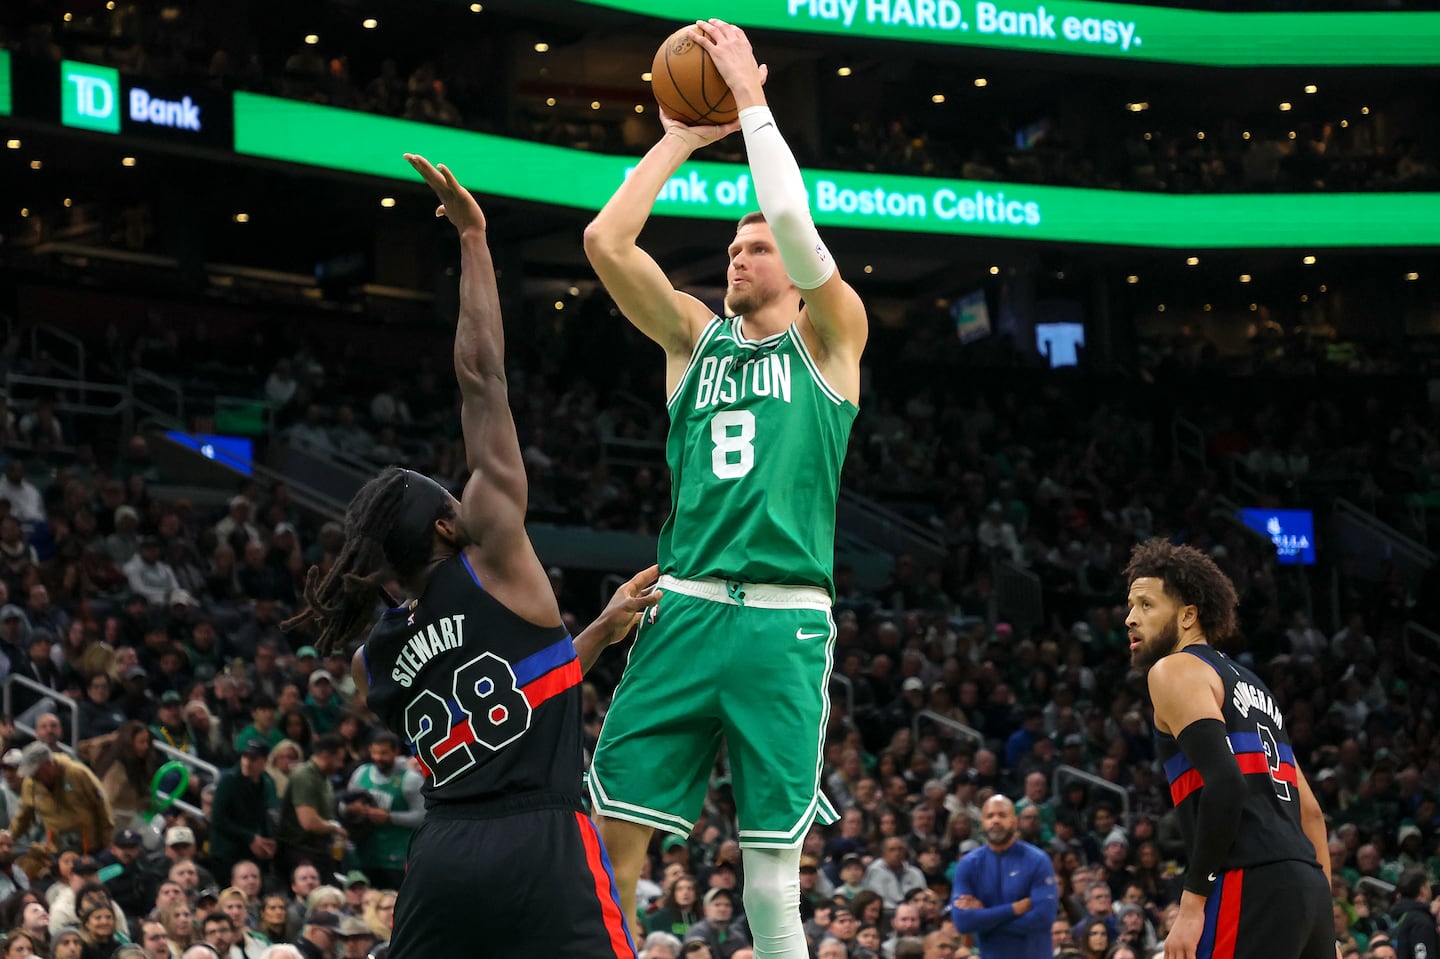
point(89, 97)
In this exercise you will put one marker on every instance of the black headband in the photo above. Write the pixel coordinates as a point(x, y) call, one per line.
point(425, 500)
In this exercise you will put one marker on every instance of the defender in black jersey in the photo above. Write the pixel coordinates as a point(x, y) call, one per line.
point(1258, 881)
point(478, 673)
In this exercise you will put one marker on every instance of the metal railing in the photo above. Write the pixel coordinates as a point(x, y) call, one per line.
point(59, 698)
point(888, 530)
point(960, 729)
point(1240, 484)
point(1418, 510)
point(194, 762)
point(1064, 773)
point(1019, 598)
point(1370, 544)
point(173, 417)
point(72, 748)
point(1188, 439)
point(1396, 540)
point(322, 471)
point(1421, 646)
point(84, 398)
point(76, 345)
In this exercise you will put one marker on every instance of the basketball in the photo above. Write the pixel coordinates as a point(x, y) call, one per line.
point(687, 84)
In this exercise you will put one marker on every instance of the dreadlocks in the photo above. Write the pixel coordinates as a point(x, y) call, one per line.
point(341, 603)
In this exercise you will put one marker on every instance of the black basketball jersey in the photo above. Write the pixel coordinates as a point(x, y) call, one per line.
point(1270, 829)
point(488, 702)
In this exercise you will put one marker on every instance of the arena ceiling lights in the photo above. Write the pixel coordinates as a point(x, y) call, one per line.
point(1083, 28)
point(298, 132)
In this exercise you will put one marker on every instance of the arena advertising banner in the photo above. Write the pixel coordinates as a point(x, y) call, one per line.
point(1291, 530)
point(1082, 28)
point(96, 98)
point(4, 83)
point(361, 143)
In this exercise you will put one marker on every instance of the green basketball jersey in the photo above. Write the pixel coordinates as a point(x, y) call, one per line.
point(756, 442)
point(387, 844)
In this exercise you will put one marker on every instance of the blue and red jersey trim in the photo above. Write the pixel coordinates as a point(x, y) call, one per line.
point(1249, 754)
point(548, 673)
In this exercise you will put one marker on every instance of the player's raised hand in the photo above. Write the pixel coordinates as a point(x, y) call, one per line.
point(629, 603)
point(456, 203)
point(734, 59)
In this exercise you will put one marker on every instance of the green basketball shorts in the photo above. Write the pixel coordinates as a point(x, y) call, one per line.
point(745, 661)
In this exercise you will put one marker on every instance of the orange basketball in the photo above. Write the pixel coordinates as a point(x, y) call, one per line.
point(687, 85)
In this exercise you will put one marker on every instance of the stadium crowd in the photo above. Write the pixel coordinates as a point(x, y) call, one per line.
point(139, 620)
point(161, 622)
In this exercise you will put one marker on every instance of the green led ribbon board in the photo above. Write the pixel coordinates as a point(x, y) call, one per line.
point(361, 143)
point(1082, 28)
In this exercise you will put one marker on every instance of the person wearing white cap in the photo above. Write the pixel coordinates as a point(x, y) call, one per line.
point(124, 542)
point(322, 706)
point(236, 527)
point(64, 795)
point(716, 930)
point(180, 847)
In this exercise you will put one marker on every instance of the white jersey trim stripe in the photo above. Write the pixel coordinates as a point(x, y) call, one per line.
point(804, 352)
point(631, 812)
point(706, 335)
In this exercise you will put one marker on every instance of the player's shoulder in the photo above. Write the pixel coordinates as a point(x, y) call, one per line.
point(1178, 667)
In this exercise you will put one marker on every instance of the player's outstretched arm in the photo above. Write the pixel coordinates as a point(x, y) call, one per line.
point(834, 308)
point(492, 510)
point(620, 616)
point(1186, 694)
point(635, 281)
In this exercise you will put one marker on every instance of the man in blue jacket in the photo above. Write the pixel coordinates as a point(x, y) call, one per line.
point(1004, 892)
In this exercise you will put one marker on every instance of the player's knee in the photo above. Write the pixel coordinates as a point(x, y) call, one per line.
point(771, 876)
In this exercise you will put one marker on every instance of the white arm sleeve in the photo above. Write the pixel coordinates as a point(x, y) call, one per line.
point(781, 192)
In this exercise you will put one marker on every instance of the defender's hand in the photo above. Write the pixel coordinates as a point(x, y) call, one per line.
point(629, 604)
point(455, 201)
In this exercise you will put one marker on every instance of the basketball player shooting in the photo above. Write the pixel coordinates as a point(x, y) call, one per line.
point(477, 672)
point(1258, 881)
point(761, 402)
